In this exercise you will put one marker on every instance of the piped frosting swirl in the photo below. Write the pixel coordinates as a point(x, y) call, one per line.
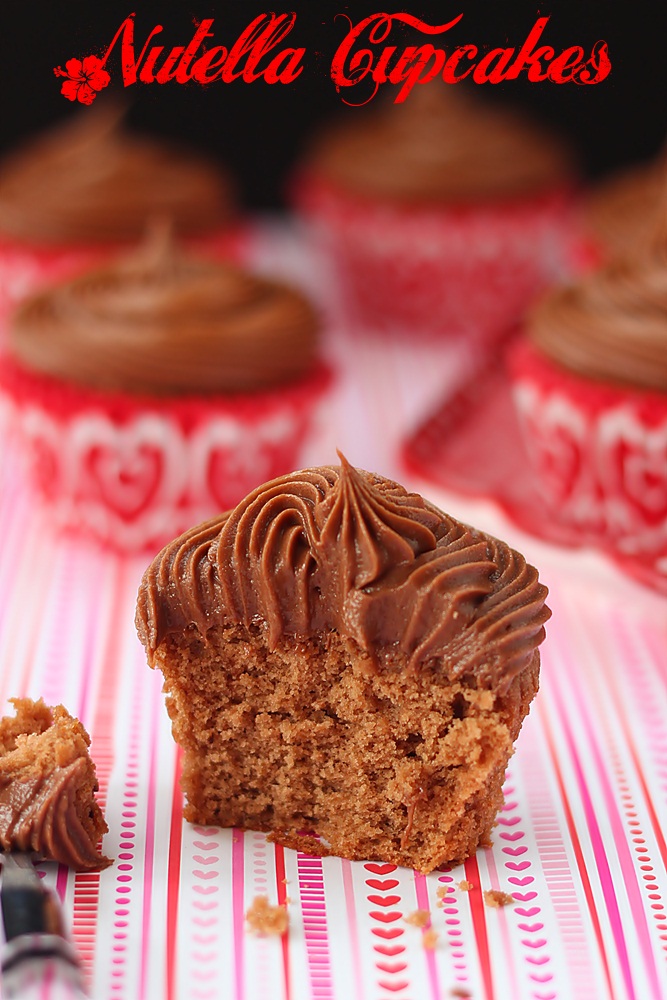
point(47, 780)
point(440, 146)
point(341, 549)
point(90, 181)
point(163, 322)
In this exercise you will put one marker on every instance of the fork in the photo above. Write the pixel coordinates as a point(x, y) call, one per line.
point(36, 960)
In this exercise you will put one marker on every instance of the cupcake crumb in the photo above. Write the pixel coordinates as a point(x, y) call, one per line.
point(460, 991)
point(419, 918)
point(496, 898)
point(430, 939)
point(465, 886)
point(263, 918)
point(442, 892)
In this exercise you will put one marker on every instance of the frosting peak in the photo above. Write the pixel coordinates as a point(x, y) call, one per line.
point(160, 321)
point(88, 180)
point(339, 549)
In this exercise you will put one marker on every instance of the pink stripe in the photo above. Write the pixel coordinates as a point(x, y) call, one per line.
point(597, 843)
point(509, 965)
point(238, 911)
point(314, 913)
point(421, 891)
point(353, 935)
point(149, 851)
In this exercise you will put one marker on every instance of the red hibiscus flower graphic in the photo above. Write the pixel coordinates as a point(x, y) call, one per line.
point(85, 78)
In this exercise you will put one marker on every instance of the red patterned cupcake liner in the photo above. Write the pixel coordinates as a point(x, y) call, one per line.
point(135, 472)
point(435, 270)
point(25, 269)
point(598, 452)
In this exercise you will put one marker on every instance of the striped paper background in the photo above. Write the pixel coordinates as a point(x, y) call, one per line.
point(579, 843)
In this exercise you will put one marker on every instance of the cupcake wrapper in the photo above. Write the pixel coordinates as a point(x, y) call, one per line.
point(135, 476)
point(599, 453)
point(25, 269)
point(434, 270)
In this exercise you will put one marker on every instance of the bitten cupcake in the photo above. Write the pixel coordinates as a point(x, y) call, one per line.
point(442, 214)
point(341, 657)
point(590, 384)
point(158, 390)
point(88, 187)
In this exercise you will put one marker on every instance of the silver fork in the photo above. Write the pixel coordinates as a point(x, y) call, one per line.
point(37, 960)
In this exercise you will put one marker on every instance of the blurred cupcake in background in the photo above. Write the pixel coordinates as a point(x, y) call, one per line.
point(158, 389)
point(590, 386)
point(620, 211)
point(88, 187)
point(443, 215)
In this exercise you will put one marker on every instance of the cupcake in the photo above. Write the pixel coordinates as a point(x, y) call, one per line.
point(590, 386)
point(442, 215)
point(346, 667)
point(88, 187)
point(158, 389)
point(621, 210)
point(47, 787)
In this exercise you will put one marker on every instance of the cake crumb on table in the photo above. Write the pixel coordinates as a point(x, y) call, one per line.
point(442, 890)
point(495, 898)
point(465, 885)
point(419, 918)
point(460, 991)
point(263, 918)
point(430, 939)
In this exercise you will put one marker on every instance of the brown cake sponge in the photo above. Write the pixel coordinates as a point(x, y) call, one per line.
point(346, 667)
point(47, 787)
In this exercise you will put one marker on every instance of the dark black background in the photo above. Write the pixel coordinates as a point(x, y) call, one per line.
point(259, 129)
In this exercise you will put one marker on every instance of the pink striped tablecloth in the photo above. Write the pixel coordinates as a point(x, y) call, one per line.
point(579, 844)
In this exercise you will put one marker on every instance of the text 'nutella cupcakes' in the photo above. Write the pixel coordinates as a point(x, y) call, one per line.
point(88, 188)
point(342, 659)
point(590, 384)
point(443, 215)
point(158, 390)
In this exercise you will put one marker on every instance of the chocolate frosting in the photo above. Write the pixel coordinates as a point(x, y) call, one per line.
point(344, 550)
point(163, 322)
point(90, 181)
point(612, 325)
point(47, 781)
point(40, 815)
point(622, 210)
point(440, 145)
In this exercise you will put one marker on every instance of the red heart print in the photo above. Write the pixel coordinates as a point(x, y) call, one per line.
point(389, 949)
point(387, 933)
point(386, 918)
point(394, 987)
point(384, 900)
point(380, 869)
point(392, 967)
point(384, 885)
point(201, 860)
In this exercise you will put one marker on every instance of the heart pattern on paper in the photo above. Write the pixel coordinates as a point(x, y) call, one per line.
point(143, 481)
